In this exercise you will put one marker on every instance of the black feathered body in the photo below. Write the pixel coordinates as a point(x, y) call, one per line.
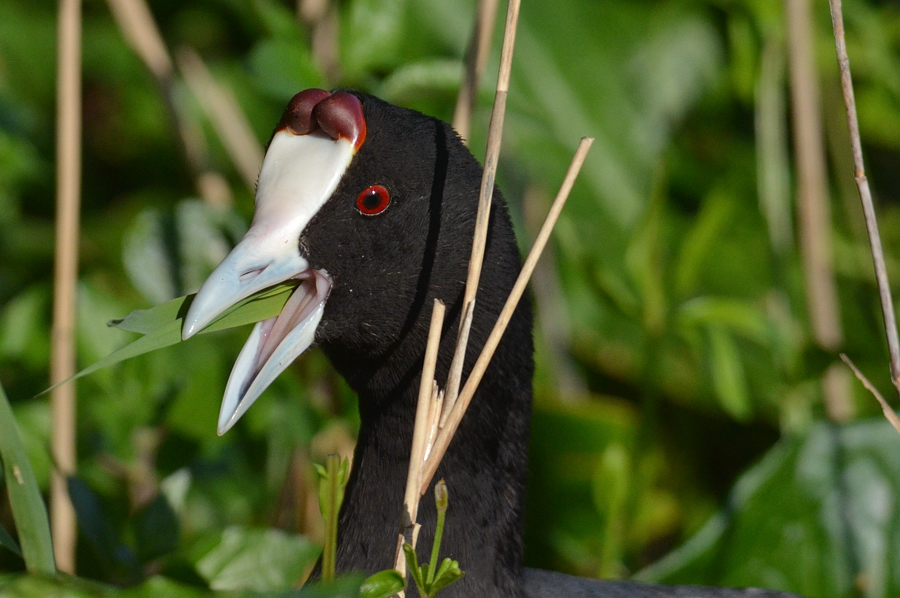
point(387, 270)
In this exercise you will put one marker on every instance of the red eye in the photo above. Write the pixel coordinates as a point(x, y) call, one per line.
point(373, 201)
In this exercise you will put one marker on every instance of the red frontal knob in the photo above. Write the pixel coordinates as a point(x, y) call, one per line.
point(298, 116)
point(341, 116)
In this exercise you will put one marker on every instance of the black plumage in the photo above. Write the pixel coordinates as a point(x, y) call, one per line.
point(385, 269)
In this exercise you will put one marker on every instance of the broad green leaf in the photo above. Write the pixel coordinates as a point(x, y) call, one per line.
point(371, 34)
point(282, 67)
point(156, 529)
point(8, 541)
point(161, 325)
point(33, 420)
point(383, 584)
point(256, 559)
point(25, 499)
point(61, 586)
point(117, 560)
point(815, 516)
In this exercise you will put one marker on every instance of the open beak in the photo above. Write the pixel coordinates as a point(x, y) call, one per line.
point(299, 174)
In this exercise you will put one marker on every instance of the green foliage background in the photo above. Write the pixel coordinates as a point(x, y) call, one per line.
point(678, 399)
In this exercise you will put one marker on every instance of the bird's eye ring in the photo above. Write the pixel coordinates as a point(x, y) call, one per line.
point(373, 201)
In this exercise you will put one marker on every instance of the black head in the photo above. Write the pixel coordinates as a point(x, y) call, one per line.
point(388, 218)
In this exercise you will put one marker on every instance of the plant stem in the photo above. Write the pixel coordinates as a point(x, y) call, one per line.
point(885, 407)
point(476, 60)
point(329, 551)
point(813, 204)
point(139, 29)
point(465, 396)
point(482, 217)
point(224, 112)
point(65, 278)
point(420, 437)
point(440, 500)
point(865, 194)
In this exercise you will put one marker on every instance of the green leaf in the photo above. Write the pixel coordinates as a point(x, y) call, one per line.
point(343, 587)
point(161, 325)
point(814, 517)
point(412, 564)
point(283, 67)
point(371, 35)
point(611, 483)
point(117, 559)
point(58, 586)
point(332, 479)
point(737, 315)
point(156, 529)
point(441, 503)
point(260, 306)
point(63, 586)
point(24, 496)
point(728, 376)
point(426, 78)
point(382, 585)
point(8, 541)
point(256, 559)
point(697, 248)
point(162, 586)
point(448, 573)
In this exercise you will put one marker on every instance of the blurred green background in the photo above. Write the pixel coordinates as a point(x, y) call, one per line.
point(680, 426)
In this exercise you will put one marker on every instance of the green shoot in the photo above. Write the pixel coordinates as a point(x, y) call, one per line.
point(332, 479)
point(430, 579)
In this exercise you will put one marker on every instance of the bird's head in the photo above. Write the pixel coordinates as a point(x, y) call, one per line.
point(369, 206)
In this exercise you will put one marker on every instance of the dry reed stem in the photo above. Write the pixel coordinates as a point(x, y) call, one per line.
point(65, 279)
point(321, 20)
point(495, 137)
point(222, 109)
point(446, 433)
point(865, 194)
point(454, 378)
point(476, 59)
point(552, 317)
point(888, 412)
point(140, 31)
point(424, 412)
point(813, 204)
point(482, 218)
point(136, 22)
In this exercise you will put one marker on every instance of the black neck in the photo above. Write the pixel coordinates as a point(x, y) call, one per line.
point(484, 467)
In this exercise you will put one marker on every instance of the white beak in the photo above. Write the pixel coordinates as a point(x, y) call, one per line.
point(299, 174)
